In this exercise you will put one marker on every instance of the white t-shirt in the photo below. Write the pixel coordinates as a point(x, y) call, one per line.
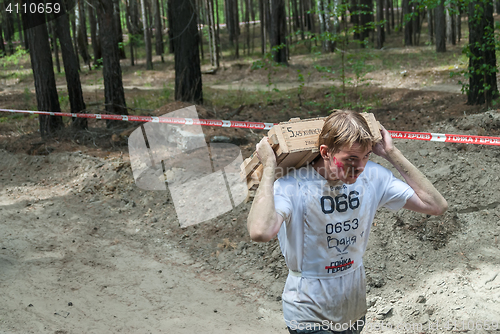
point(323, 238)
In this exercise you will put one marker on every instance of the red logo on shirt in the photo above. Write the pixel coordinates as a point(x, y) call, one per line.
point(341, 265)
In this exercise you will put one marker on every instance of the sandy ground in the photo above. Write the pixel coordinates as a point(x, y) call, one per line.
point(85, 251)
point(68, 264)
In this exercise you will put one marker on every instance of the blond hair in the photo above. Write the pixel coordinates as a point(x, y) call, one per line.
point(343, 128)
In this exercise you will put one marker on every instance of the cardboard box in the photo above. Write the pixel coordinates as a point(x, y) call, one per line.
point(295, 144)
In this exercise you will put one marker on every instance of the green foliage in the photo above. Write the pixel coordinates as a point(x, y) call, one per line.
point(345, 67)
point(15, 117)
point(27, 99)
point(268, 64)
point(98, 63)
point(302, 81)
point(141, 104)
point(135, 39)
point(26, 94)
point(478, 65)
point(14, 59)
point(63, 101)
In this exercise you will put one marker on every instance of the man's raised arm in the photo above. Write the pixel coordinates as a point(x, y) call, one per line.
point(263, 222)
point(426, 198)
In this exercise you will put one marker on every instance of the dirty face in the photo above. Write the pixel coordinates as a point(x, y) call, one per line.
point(347, 164)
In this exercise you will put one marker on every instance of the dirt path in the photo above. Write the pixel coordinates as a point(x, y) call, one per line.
point(85, 251)
point(70, 264)
point(245, 85)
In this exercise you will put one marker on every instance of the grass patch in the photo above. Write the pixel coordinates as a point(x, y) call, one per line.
point(142, 103)
point(235, 98)
point(16, 117)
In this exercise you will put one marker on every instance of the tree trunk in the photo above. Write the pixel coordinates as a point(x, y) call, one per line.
point(236, 22)
point(25, 26)
point(8, 28)
point(217, 35)
point(252, 13)
point(230, 21)
point(96, 44)
point(408, 25)
point(398, 16)
point(158, 29)
point(188, 85)
point(497, 5)
point(20, 28)
point(170, 27)
point(372, 19)
point(133, 22)
point(55, 49)
point(289, 23)
point(430, 24)
point(387, 5)
point(43, 74)
point(200, 25)
point(81, 34)
point(163, 14)
point(450, 25)
point(70, 61)
point(9, 35)
point(354, 9)
point(247, 19)
point(417, 22)
point(482, 59)
point(322, 23)
point(312, 21)
point(289, 28)
point(302, 20)
point(147, 37)
point(214, 51)
point(380, 28)
point(392, 14)
point(119, 30)
point(113, 85)
point(294, 15)
point(365, 19)
point(131, 45)
point(262, 15)
point(326, 28)
point(440, 27)
point(278, 31)
point(209, 21)
point(75, 33)
point(2, 45)
point(307, 14)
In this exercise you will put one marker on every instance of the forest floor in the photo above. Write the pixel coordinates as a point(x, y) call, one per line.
point(84, 250)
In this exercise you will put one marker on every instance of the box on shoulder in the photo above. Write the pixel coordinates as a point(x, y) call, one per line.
point(295, 144)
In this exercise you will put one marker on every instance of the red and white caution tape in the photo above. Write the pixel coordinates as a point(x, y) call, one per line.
point(154, 119)
point(446, 138)
point(440, 137)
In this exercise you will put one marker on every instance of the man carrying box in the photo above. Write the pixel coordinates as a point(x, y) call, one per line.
point(322, 214)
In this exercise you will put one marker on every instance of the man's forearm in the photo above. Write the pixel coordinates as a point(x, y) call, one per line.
point(261, 221)
point(424, 189)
